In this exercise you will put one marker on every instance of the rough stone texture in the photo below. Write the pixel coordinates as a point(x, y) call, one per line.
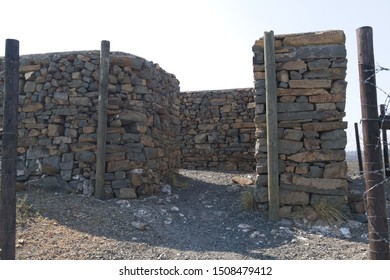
point(58, 121)
point(311, 94)
point(217, 129)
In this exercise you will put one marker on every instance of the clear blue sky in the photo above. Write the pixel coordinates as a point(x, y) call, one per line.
point(206, 44)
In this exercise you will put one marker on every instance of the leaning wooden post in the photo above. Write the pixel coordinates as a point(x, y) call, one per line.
point(374, 197)
point(272, 126)
point(359, 151)
point(9, 148)
point(385, 145)
point(102, 119)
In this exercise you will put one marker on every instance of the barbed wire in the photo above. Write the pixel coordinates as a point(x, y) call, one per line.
point(382, 172)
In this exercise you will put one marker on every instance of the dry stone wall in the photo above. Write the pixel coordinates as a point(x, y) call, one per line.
point(311, 95)
point(217, 129)
point(58, 120)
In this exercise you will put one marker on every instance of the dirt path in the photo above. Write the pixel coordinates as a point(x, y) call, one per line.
point(203, 219)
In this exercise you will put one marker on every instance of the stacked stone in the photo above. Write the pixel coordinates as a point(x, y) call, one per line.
point(311, 95)
point(58, 120)
point(218, 129)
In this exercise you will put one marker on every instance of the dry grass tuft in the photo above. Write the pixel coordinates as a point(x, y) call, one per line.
point(248, 200)
point(24, 211)
point(173, 180)
point(330, 213)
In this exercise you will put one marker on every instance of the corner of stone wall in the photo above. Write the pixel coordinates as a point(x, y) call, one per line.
point(311, 93)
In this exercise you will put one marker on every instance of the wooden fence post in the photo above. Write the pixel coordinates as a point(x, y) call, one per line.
point(359, 150)
point(102, 119)
point(385, 144)
point(374, 197)
point(9, 152)
point(272, 126)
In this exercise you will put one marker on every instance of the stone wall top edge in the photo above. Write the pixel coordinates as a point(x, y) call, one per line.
point(28, 58)
point(218, 91)
point(308, 38)
point(84, 52)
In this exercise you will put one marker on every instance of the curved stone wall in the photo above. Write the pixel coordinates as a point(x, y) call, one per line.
point(58, 120)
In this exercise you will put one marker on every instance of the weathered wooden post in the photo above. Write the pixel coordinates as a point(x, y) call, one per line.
point(9, 150)
point(272, 126)
point(359, 150)
point(374, 197)
point(384, 139)
point(102, 119)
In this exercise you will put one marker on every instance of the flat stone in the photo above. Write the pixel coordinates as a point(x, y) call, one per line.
point(61, 98)
point(292, 134)
point(336, 170)
point(128, 117)
point(334, 144)
point(117, 184)
point(200, 138)
point(294, 107)
point(328, 98)
point(217, 101)
point(136, 179)
point(302, 168)
point(330, 73)
point(150, 153)
point(147, 141)
point(52, 183)
point(301, 91)
point(85, 146)
point(33, 107)
point(310, 84)
point(318, 155)
point(65, 166)
point(320, 183)
point(53, 130)
point(319, 64)
point(29, 86)
point(36, 153)
point(77, 84)
point(91, 137)
point(289, 146)
point(294, 197)
point(206, 127)
point(29, 68)
point(51, 165)
point(80, 101)
point(65, 111)
point(242, 181)
point(315, 38)
point(312, 144)
point(86, 156)
point(324, 126)
point(295, 65)
point(66, 175)
point(62, 140)
point(339, 87)
point(326, 51)
point(119, 165)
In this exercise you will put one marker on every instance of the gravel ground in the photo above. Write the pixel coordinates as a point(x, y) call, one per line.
point(201, 218)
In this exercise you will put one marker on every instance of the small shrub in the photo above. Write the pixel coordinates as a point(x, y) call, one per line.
point(173, 180)
point(24, 211)
point(248, 200)
point(329, 212)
